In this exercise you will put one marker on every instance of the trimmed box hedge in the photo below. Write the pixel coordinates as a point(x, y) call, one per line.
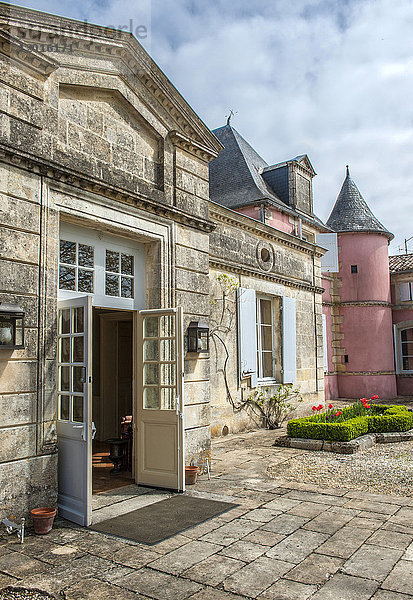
point(381, 418)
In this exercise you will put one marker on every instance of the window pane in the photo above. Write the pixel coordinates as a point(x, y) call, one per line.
point(64, 408)
point(168, 397)
point(408, 363)
point(168, 374)
point(267, 370)
point(67, 278)
point(78, 378)
point(64, 378)
point(150, 373)
point(407, 335)
point(64, 321)
point(78, 409)
point(85, 281)
point(265, 306)
point(266, 337)
point(150, 325)
point(64, 350)
point(112, 261)
point(78, 320)
point(78, 348)
point(150, 350)
point(68, 252)
point(85, 256)
point(126, 264)
point(407, 348)
point(151, 398)
point(167, 349)
point(126, 287)
point(112, 285)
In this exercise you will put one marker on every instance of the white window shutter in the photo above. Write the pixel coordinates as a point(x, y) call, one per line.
point(325, 343)
point(247, 334)
point(329, 262)
point(404, 290)
point(289, 341)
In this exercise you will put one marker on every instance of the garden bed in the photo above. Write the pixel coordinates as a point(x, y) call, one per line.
point(351, 429)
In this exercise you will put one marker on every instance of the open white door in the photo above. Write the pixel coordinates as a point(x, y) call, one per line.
point(159, 426)
point(74, 431)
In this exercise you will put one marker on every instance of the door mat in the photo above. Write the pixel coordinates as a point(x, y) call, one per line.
point(160, 520)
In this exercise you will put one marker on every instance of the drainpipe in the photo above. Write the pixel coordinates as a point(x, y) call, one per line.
point(262, 213)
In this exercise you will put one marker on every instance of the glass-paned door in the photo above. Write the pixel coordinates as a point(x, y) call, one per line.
point(159, 398)
point(74, 409)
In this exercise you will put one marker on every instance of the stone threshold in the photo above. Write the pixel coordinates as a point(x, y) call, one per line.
point(361, 443)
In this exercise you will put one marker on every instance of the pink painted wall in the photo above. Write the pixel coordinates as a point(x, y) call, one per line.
point(404, 385)
point(360, 386)
point(368, 330)
point(369, 251)
point(368, 338)
point(403, 315)
point(278, 219)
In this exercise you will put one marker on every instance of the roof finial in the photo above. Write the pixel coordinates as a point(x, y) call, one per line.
point(231, 114)
point(347, 171)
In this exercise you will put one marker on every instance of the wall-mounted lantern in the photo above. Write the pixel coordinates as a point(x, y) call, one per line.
point(198, 337)
point(11, 326)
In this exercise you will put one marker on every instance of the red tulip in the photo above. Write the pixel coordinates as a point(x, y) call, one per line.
point(314, 408)
point(375, 397)
point(338, 413)
point(363, 400)
point(367, 405)
point(330, 406)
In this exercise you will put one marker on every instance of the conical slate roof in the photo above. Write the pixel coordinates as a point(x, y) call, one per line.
point(351, 213)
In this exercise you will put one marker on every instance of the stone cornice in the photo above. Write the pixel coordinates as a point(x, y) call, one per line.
point(189, 145)
point(358, 303)
point(28, 59)
point(231, 217)
point(96, 186)
point(227, 265)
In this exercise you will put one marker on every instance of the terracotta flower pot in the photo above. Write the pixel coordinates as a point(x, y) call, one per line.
point(190, 475)
point(43, 519)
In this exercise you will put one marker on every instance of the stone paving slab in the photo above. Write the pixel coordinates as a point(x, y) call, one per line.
point(284, 589)
point(372, 562)
point(315, 569)
point(257, 576)
point(345, 587)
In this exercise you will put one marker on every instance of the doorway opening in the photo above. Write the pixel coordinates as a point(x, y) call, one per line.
point(112, 399)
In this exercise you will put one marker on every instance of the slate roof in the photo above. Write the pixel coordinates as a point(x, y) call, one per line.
point(400, 263)
point(351, 213)
point(235, 176)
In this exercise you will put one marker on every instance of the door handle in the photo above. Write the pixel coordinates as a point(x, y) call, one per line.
point(93, 430)
point(78, 426)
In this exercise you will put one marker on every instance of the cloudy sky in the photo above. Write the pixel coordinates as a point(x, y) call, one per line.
point(330, 78)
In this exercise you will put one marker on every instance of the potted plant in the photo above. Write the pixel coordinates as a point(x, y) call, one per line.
point(43, 518)
point(191, 473)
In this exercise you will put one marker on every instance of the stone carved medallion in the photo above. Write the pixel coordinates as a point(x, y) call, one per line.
point(265, 255)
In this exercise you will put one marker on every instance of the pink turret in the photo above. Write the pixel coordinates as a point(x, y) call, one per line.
point(357, 302)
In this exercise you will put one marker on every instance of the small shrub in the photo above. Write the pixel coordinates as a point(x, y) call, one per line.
point(274, 410)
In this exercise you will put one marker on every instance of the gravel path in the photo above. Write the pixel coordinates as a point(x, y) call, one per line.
point(384, 469)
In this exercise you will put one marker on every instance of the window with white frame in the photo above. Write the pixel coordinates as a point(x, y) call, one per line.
point(76, 266)
point(111, 268)
point(265, 337)
point(406, 342)
point(266, 342)
point(406, 291)
point(119, 274)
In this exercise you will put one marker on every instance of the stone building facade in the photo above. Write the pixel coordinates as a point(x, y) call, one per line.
point(104, 197)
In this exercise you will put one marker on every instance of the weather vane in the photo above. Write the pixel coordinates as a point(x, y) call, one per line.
point(231, 114)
